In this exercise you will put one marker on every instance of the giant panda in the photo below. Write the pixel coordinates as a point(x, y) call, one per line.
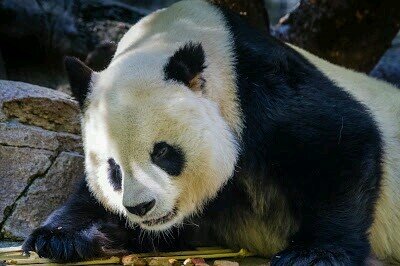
point(203, 130)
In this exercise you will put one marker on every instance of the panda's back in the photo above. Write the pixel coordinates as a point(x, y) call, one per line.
point(383, 101)
point(166, 29)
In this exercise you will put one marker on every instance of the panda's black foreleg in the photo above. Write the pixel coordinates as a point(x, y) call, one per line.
point(82, 229)
point(351, 250)
point(307, 256)
point(333, 235)
point(79, 229)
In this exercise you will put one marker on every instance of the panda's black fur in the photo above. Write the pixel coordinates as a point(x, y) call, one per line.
point(189, 60)
point(307, 153)
point(294, 141)
point(115, 174)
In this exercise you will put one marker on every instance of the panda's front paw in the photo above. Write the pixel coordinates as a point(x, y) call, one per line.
point(311, 256)
point(70, 245)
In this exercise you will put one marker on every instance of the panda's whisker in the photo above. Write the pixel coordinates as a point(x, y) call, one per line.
point(164, 236)
point(152, 237)
point(189, 222)
point(141, 236)
point(169, 234)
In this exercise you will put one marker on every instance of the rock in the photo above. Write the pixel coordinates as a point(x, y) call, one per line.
point(64, 88)
point(8, 244)
point(35, 105)
point(18, 167)
point(101, 56)
point(388, 67)
point(107, 31)
point(162, 261)
point(36, 35)
point(133, 260)
point(195, 262)
point(40, 154)
point(19, 135)
point(45, 194)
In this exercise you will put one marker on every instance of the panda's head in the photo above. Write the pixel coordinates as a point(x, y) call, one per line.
point(157, 147)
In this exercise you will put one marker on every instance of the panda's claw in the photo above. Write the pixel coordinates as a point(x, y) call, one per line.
point(64, 245)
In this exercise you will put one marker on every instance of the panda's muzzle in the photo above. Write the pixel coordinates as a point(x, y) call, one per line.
point(166, 218)
point(142, 208)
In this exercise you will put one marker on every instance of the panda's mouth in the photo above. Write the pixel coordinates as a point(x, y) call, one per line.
point(166, 218)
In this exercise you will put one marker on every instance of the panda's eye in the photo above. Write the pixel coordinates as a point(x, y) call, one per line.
point(168, 158)
point(161, 152)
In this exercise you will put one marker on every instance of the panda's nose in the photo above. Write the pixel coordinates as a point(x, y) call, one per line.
point(142, 208)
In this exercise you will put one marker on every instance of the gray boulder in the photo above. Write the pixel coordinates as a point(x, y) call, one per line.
point(388, 68)
point(41, 154)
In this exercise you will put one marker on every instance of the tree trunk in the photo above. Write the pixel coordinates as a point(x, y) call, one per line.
point(351, 33)
point(253, 11)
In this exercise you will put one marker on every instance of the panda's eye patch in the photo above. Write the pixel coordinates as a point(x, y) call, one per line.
point(161, 152)
point(168, 158)
point(114, 174)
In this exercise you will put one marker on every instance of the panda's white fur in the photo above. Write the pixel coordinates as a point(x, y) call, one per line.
point(134, 106)
point(383, 101)
point(190, 21)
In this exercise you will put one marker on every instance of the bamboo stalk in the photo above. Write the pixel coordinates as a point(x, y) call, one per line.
point(112, 260)
point(217, 255)
point(11, 255)
point(28, 261)
point(10, 249)
point(203, 253)
point(242, 253)
point(198, 253)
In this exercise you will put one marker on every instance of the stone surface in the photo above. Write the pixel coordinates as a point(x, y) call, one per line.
point(18, 167)
point(40, 154)
point(19, 135)
point(7, 244)
point(388, 67)
point(64, 88)
point(45, 194)
point(35, 105)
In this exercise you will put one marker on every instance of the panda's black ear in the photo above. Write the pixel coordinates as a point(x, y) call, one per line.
point(79, 76)
point(186, 65)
